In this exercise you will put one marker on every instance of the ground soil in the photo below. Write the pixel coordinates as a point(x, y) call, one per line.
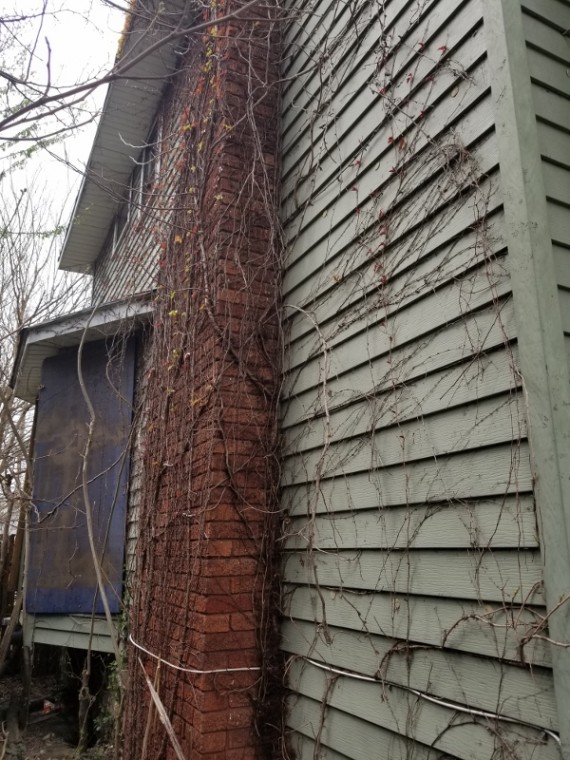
point(42, 741)
point(46, 736)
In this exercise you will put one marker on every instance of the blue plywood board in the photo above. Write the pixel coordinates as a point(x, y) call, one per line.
point(61, 576)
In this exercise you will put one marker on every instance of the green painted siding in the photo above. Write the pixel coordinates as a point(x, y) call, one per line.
point(76, 631)
point(526, 51)
point(546, 28)
point(357, 717)
point(413, 565)
point(546, 32)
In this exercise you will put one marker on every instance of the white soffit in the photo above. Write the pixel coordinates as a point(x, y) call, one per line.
point(39, 342)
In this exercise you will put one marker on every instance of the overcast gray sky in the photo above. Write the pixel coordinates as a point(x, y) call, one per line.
point(83, 37)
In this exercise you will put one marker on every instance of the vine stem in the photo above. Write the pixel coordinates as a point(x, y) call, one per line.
point(89, 511)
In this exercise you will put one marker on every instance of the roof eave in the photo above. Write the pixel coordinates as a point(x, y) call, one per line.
point(128, 112)
point(38, 342)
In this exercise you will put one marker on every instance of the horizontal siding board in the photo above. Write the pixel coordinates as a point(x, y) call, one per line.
point(291, 5)
point(336, 348)
point(557, 182)
point(121, 272)
point(491, 576)
point(74, 631)
point(430, 172)
point(303, 25)
point(555, 142)
point(355, 64)
point(304, 748)
point(404, 426)
point(455, 734)
point(487, 630)
point(343, 136)
point(544, 38)
point(562, 264)
point(357, 739)
point(559, 219)
point(396, 279)
point(74, 640)
point(486, 423)
point(144, 359)
point(339, 229)
point(488, 523)
point(475, 474)
point(315, 26)
point(420, 317)
point(551, 107)
point(371, 336)
point(390, 402)
point(331, 40)
point(554, 12)
point(437, 174)
point(353, 144)
point(348, 48)
point(548, 72)
point(523, 694)
point(305, 392)
point(564, 300)
point(86, 624)
point(364, 167)
point(318, 27)
point(318, 271)
point(133, 265)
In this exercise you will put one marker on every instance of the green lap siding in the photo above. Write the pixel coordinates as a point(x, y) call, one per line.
point(417, 550)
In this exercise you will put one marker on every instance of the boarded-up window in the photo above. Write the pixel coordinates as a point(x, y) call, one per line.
point(61, 576)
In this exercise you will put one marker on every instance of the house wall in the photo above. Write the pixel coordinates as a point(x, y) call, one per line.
point(124, 271)
point(413, 569)
point(131, 265)
point(136, 483)
point(203, 597)
point(531, 237)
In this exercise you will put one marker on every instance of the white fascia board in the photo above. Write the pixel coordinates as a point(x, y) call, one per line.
point(38, 342)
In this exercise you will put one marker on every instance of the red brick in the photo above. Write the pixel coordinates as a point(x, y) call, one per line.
point(223, 603)
point(238, 738)
point(243, 659)
point(244, 753)
point(211, 742)
point(218, 586)
point(223, 720)
point(213, 701)
point(233, 681)
point(210, 477)
point(212, 623)
point(228, 566)
point(220, 548)
point(242, 622)
point(239, 699)
point(243, 584)
point(222, 642)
